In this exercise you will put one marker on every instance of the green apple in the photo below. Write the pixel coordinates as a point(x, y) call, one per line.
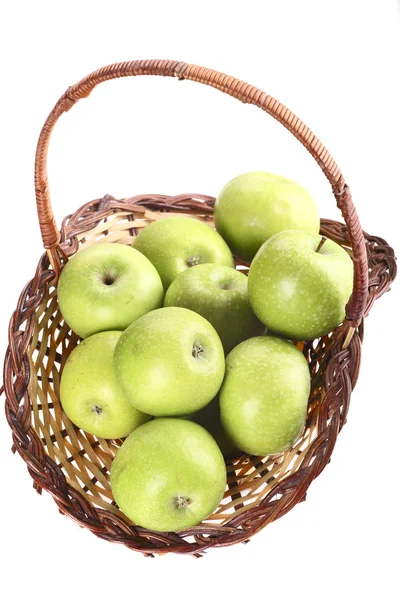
point(107, 287)
point(170, 362)
point(209, 417)
point(90, 394)
point(175, 244)
point(219, 294)
point(254, 206)
point(264, 395)
point(168, 475)
point(299, 284)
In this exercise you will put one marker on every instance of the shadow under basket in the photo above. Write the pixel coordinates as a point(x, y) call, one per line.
point(73, 465)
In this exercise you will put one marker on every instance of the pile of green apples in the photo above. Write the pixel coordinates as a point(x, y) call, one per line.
point(190, 359)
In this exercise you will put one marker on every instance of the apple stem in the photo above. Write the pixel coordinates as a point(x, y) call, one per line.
point(97, 409)
point(321, 243)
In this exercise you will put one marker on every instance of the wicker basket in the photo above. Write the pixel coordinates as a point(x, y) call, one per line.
point(74, 466)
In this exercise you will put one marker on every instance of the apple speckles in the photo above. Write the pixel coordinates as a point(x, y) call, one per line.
point(227, 309)
point(306, 292)
point(175, 362)
point(106, 287)
point(262, 204)
point(193, 241)
point(90, 394)
point(250, 409)
point(168, 475)
point(265, 394)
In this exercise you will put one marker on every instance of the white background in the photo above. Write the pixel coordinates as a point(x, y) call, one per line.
point(336, 64)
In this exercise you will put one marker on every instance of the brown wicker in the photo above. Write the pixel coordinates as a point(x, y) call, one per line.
point(74, 466)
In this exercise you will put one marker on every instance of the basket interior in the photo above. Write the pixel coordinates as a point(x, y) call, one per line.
point(85, 459)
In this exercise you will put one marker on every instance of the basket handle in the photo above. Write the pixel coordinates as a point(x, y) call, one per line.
point(245, 93)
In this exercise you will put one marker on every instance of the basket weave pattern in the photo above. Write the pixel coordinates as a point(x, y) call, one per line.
point(74, 466)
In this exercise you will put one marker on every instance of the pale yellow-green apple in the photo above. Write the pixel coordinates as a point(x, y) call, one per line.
point(254, 206)
point(219, 294)
point(90, 394)
point(299, 284)
point(264, 395)
point(107, 287)
point(170, 362)
point(175, 244)
point(168, 475)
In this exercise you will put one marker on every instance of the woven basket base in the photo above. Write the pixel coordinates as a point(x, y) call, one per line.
point(74, 466)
